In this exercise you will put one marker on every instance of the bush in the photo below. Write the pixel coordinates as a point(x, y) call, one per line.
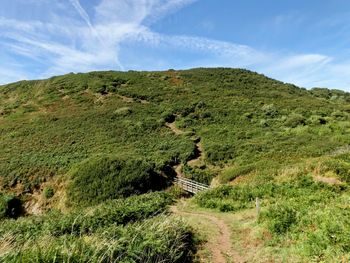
point(270, 110)
point(99, 179)
point(317, 120)
point(233, 198)
point(199, 175)
point(280, 218)
point(48, 192)
point(295, 120)
point(220, 152)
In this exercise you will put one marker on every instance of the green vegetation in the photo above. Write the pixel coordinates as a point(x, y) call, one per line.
point(48, 192)
point(160, 240)
point(98, 142)
point(101, 179)
point(116, 230)
point(312, 216)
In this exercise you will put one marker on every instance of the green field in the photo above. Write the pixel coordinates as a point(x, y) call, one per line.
point(80, 153)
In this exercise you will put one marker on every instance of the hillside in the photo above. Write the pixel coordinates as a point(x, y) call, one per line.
point(72, 145)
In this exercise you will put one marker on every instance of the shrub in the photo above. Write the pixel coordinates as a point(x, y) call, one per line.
point(295, 120)
point(280, 217)
point(220, 152)
point(199, 175)
point(270, 110)
point(339, 115)
point(99, 179)
point(317, 120)
point(48, 192)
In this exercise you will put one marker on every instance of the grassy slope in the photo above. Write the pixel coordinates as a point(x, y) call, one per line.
point(255, 130)
point(47, 126)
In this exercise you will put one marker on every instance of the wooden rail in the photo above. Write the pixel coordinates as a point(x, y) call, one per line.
point(190, 185)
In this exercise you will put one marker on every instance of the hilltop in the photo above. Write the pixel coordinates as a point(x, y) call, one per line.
point(79, 142)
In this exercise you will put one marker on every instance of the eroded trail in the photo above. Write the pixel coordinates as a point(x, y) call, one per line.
point(198, 149)
point(218, 244)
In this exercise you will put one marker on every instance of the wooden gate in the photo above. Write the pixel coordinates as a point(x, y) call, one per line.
point(190, 185)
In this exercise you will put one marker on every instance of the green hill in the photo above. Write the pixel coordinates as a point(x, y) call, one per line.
point(74, 142)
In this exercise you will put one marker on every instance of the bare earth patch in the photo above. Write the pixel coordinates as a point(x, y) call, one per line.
point(328, 180)
point(174, 129)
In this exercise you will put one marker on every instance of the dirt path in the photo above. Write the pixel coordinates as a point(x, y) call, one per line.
point(219, 245)
point(173, 128)
point(198, 149)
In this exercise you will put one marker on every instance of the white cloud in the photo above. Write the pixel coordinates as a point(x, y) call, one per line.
point(305, 60)
point(76, 41)
point(81, 11)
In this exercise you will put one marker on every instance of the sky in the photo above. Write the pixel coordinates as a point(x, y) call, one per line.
point(306, 43)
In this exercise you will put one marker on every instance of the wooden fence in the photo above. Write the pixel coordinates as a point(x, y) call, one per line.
point(190, 185)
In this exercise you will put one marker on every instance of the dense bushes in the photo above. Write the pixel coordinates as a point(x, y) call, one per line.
point(280, 217)
point(294, 120)
point(239, 115)
point(198, 175)
point(220, 152)
point(102, 178)
point(232, 198)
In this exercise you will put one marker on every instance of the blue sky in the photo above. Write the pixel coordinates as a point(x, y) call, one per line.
point(297, 41)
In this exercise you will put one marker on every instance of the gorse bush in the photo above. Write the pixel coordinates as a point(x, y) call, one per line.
point(280, 217)
point(340, 166)
point(295, 120)
point(103, 178)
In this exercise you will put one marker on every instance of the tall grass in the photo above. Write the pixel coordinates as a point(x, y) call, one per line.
point(162, 239)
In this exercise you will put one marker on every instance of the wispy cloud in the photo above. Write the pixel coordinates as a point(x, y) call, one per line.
point(82, 41)
point(82, 12)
